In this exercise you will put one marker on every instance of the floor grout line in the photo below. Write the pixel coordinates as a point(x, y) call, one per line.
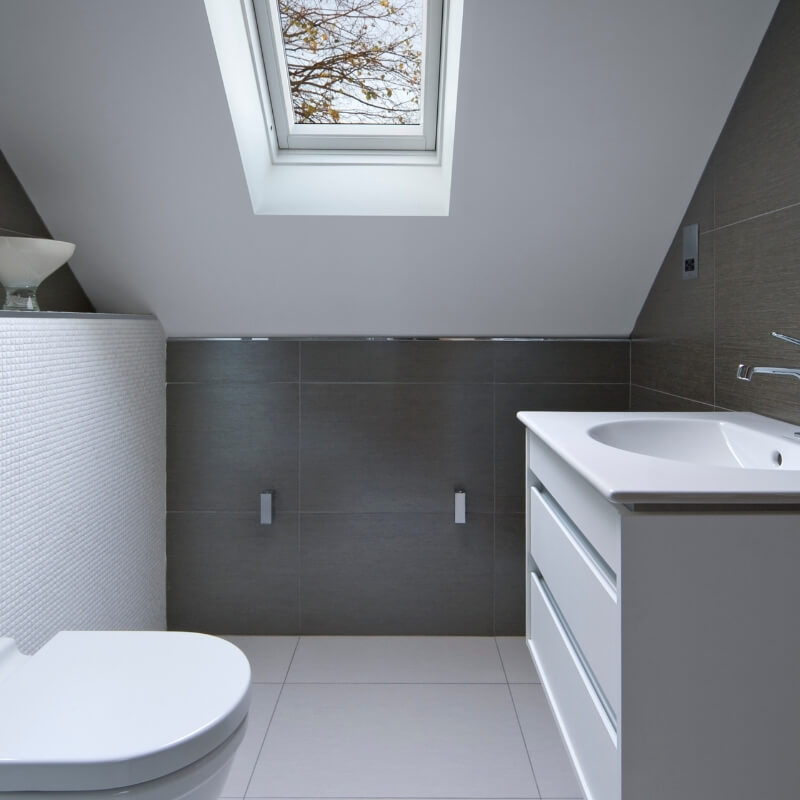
point(395, 683)
point(519, 722)
point(269, 724)
point(400, 683)
point(426, 796)
point(291, 660)
point(500, 656)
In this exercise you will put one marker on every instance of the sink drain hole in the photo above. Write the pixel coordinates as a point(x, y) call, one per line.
point(777, 458)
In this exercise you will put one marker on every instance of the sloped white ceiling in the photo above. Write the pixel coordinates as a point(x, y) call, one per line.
point(583, 127)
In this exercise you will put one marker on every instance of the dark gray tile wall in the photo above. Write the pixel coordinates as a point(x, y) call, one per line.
point(509, 577)
point(18, 217)
point(230, 574)
point(397, 362)
point(643, 399)
point(691, 335)
point(396, 574)
point(363, 443)
point(227, 443)
point(396, 447)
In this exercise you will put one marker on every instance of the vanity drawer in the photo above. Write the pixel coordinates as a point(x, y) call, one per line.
point(584, 587)
point(587, 730)
point(599, 520)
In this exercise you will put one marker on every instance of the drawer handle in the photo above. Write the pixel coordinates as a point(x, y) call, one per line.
point(609, 717)
point(595, 561)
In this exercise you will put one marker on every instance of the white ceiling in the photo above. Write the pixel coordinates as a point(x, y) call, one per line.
point(583, 127)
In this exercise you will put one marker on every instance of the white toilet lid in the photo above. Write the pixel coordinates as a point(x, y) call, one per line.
point(103, 710)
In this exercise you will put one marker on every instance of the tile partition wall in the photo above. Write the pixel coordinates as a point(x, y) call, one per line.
point(18, 217)
point(363, 443)
point(82, 465)
point(691, 335)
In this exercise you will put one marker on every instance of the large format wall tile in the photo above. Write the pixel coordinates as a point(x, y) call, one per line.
point(396, 574)
point(509, 574)
point(643, 399)
point(510, 433)
point(673, 342)
point(398, 362)
point(379, 433)
point(226, 573)
point(227, 443)
point(232, 361)
point(578, 361)
point(395, 447)
point(758, 287)
point(689, 339)
point(758, 153)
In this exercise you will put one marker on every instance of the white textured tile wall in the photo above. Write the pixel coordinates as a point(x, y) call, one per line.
point(82, 476)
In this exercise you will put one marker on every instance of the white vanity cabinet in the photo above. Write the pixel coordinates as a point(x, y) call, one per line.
point(667, 638)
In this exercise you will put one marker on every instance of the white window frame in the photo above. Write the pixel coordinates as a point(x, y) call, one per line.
point(330, 182)
point(319, 136)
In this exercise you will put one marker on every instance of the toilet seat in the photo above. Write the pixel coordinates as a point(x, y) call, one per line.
point(103, 710)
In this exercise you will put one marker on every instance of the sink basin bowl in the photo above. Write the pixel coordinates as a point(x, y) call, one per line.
point(711, 442)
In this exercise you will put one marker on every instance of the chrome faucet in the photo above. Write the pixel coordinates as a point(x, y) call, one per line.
point(745, 372)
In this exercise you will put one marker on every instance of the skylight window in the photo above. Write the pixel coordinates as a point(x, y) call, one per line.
point(342, 107)
point(352, 74)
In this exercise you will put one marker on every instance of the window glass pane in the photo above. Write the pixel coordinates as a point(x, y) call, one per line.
point(354, 61)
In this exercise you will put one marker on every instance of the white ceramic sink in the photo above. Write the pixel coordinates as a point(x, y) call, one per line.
point(676, 457)
point(712, 442)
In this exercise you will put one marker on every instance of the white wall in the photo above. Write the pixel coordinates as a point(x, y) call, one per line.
point(582, 128)
point(82, 475)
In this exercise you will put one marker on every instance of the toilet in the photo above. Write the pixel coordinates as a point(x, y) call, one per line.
point(144, 715)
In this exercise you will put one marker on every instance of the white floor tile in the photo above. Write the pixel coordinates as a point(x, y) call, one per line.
point(551, 764)
point(396, 659)
point(269, 656)
point(262, 703)
point(517, 660)
point(393, 740)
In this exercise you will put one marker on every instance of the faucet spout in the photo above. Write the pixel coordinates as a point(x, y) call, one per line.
point(745, 372)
